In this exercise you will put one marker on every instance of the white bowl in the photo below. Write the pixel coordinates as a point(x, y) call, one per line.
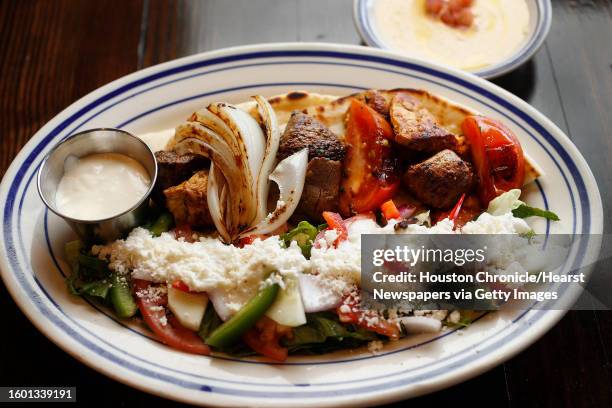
point(159, 97)
point(540, 12)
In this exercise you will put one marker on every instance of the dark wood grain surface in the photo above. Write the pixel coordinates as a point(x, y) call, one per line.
point(53, 52)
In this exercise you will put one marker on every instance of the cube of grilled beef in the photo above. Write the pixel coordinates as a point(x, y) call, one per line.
point(416, 128)
point(187, 201)
point(376, 101)
point(173, 169)
point(321, 189)
point(305, 131)
point(440, 180)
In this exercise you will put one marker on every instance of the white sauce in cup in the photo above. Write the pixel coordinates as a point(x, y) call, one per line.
point(101, 186)
point(500, 28)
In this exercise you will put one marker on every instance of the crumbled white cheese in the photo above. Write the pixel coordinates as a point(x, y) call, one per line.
point(202, 265)
point(206, 265)
point(234, 275)
point(152, 293)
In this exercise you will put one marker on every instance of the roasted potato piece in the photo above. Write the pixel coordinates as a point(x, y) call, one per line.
point(416, 128)
point(440, 180)
point(187, 201)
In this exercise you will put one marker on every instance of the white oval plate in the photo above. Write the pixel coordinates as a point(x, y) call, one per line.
point(160, 97)
point(540, 12)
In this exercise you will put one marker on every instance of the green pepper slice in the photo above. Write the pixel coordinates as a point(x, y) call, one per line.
point(231, 331)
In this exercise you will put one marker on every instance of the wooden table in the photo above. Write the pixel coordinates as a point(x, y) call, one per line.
point(53, 52)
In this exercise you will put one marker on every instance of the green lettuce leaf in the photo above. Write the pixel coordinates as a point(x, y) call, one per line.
point(89, 275)
point(323, 333)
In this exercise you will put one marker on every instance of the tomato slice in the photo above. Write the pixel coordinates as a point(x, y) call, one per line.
point(350, 312)
point(166, 328)
point(264, 339)
point(370, 170)
point(180, 285)
point(334, 221)
point(497, 155)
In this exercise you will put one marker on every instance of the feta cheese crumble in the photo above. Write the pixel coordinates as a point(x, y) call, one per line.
point(235, 274)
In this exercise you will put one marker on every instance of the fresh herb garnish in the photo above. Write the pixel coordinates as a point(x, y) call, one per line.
point(525, 211)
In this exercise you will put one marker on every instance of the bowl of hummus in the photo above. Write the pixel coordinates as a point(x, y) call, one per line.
point(486, 37)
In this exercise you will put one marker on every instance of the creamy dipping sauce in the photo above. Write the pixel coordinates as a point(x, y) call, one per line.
point(100, 186)
point(499, 29)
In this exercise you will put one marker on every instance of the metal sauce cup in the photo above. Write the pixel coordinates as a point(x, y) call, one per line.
point(103, 140)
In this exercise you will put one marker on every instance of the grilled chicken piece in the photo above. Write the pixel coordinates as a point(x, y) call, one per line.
point(321, 188)
point(173, 168)
point(305, 131)
point(416, 128)
point(440, 180)
point(187, 201)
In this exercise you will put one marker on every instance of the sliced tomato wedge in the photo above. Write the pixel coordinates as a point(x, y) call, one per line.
point(334, 222)
point(370, 170)
point(166, 327)
point(350, 312)
point(264, 339)
point(497, 155)
point(180, 285)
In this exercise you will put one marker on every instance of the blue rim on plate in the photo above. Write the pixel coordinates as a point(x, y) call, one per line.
point(44, 311)
point(362, 19)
